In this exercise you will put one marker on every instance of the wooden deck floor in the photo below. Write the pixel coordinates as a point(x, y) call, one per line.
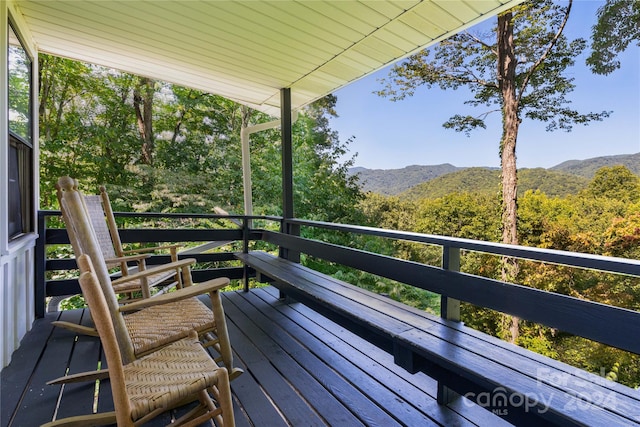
point(301, 369)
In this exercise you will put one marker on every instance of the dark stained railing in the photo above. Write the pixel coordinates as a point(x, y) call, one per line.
point(69, 286)
point(607, 324)
point(603, 323)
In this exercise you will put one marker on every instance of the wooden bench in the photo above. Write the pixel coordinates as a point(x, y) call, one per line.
point(523, 387)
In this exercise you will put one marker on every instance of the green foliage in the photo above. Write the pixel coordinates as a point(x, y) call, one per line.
point(395, 181)
point(487, 181)
point(616, 182)
point(75, 301)
point(622, 238)
point(89, 130)
point(600, 359)
point(469, 60)
point(602, 222)
point(467, 215)
point(323, 190)
point(618, 26)
point(471, 180)
point(414, 297)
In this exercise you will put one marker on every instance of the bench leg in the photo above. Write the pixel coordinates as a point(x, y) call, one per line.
point(445, 394)
point(282, 295)
point(405, 358)
point(245, 277)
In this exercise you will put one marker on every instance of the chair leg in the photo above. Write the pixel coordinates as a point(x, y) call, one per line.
point(81, 377)
point(222, 393)
point(223, 345)
point(83, 330)
point(104, 419)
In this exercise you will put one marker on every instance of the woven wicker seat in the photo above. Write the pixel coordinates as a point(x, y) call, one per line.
point(145, 325)
point(165, 379)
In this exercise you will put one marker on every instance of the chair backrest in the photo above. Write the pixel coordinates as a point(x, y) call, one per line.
point(104, 223)
point(111, 221)
point(101, 316)
point(84, 241)
point(98, 218)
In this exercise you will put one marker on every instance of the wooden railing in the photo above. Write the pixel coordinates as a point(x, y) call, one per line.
point(607, 324)
point(603, 323)
point(69, 286)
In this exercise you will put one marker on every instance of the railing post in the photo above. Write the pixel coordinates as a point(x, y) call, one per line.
point(294, 230)
point(245, 249)
point(40, 261)
point(449, 307)
point(450, 310)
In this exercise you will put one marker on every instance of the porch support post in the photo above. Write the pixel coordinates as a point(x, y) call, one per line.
point(287, 172)
point(287, 153)
point(246, 170)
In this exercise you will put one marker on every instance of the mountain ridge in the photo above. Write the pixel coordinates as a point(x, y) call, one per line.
point(397, 181)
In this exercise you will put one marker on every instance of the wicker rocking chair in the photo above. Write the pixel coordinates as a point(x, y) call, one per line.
point(106, 230)
point(163, 380)
point(145, 325)
point(101, 216)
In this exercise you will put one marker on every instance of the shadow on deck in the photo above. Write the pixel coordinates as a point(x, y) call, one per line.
point(301, 369)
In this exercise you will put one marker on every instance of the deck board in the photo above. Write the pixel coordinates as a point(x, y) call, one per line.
point(301, 369)
point(372, 382)
point(85, 357)
point(23, 362)
point(40, 401)
point(289, 383)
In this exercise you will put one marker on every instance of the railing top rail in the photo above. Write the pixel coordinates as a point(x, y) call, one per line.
point(174, 215)
point(575, 259)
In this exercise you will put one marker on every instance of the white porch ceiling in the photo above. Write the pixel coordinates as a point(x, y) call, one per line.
point(248, 50)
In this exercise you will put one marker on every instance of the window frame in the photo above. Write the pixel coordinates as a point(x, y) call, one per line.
point(20, 151)
point(20, 162)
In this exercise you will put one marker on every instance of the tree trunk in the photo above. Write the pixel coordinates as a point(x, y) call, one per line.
point(143, 104)
point(510, 124)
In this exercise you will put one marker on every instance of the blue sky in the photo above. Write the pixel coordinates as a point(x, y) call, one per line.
point(391, 135)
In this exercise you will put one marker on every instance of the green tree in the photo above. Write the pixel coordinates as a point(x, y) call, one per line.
point(618, 26)
point(520, 68)
point(615, 182)
point(167, 148)
point(622, 238)
point(323, 189)
point(86, 124)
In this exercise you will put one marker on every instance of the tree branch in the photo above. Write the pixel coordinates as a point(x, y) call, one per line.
point(544, 56)
point(482, 43)
point(478, 80)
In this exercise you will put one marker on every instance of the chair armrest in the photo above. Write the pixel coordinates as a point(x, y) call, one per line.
point(155, 248)
point(180, 294)
point(127, 258)
point(154, 270)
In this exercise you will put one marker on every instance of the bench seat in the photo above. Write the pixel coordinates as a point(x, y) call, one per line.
point(523, 387)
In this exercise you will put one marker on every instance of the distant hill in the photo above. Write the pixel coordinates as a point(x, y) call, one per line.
point(571, 175)
point(395, 181)
point(486, 181)
point(587, 168)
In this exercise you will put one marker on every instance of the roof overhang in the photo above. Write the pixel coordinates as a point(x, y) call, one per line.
point(248, 50)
